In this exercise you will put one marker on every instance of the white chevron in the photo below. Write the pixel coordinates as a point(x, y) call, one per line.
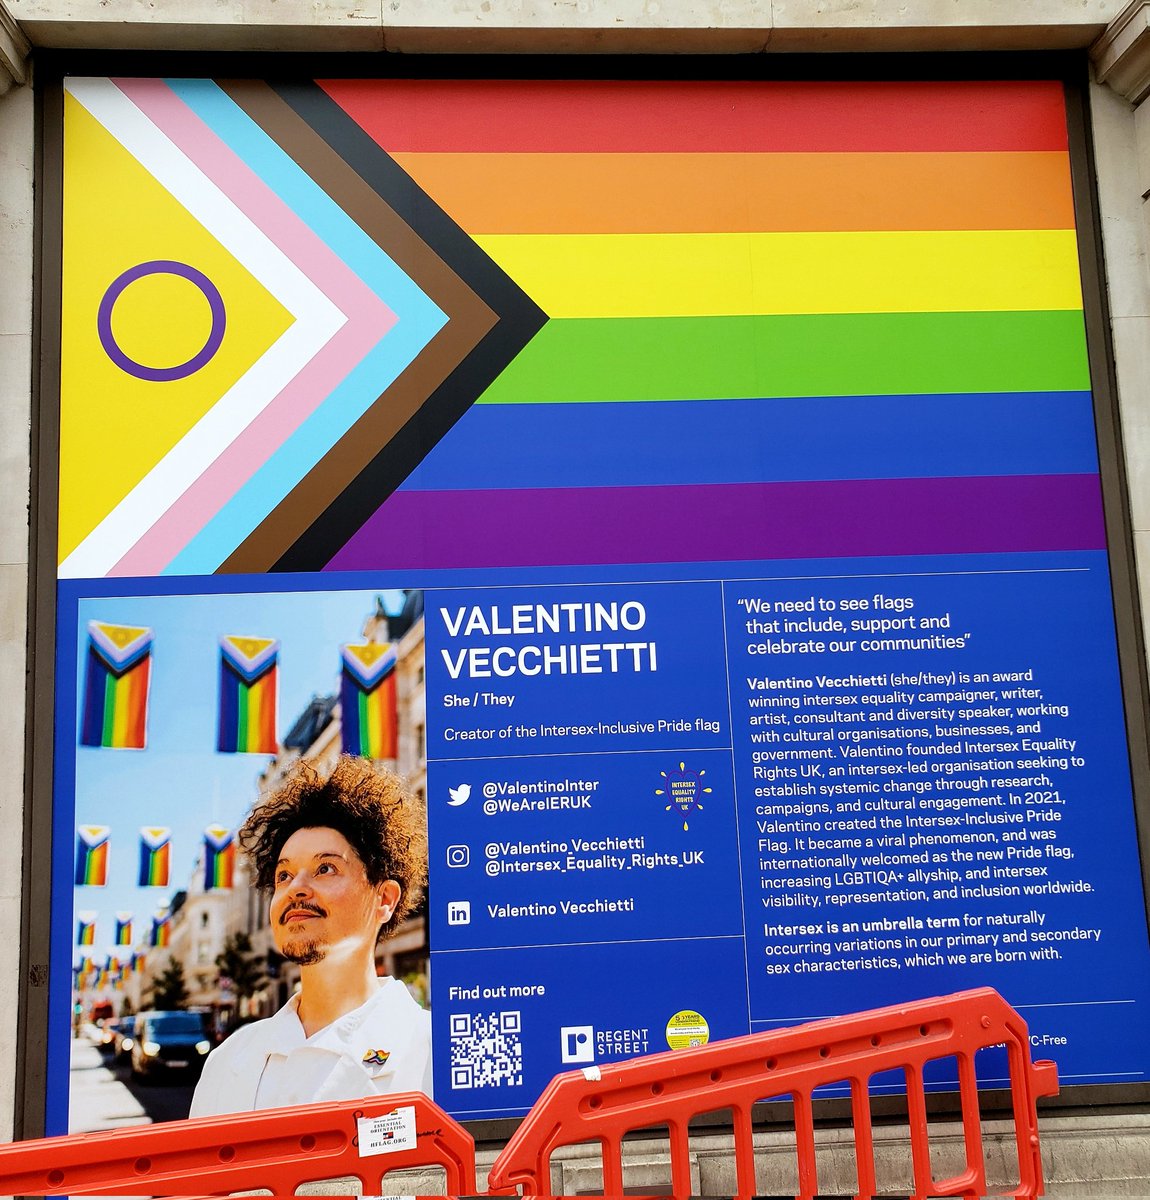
point(317, 320)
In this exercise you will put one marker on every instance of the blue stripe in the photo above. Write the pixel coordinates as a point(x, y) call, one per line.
point(419, 320)
point(349, 714)
point(227, 731)
point(95, 690)
point(748, 441)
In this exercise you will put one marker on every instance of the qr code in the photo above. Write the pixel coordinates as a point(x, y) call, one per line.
point(486, 1050)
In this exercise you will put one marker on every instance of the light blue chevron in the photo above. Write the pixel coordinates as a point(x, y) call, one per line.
point(419, 319)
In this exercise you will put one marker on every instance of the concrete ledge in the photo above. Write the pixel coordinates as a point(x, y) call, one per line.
point(1082, 1156)
point(1122, 54)
point(918, 25)
point(552, 26)
point(14, 50)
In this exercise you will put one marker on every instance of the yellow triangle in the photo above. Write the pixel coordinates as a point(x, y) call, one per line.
point(121, 635)
point(370, 653)
point(249, 647)
point(114, 427)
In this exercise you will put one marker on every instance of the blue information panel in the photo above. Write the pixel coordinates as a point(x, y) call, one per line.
point(663, 813)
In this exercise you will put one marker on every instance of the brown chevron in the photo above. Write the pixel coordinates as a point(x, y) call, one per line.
point(469, 320)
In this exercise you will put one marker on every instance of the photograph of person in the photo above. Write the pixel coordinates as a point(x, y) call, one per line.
point(344, 860)
point(249, 921)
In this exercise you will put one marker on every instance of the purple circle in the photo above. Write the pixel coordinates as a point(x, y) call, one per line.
point(161, 266)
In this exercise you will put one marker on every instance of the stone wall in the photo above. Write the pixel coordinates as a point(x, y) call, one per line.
point(1078, 1149)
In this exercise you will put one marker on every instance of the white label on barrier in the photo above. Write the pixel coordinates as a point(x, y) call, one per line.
point(387, 1133)
point(592, 1073)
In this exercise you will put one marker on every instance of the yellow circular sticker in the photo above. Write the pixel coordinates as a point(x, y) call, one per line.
point(687, 1028)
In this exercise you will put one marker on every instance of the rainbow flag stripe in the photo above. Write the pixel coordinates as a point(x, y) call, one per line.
point(785, 320)
point(86, 928)
point(123, 929)
point(249, 668)
point(219, 857)
point(119, 665)
point(92, 843)
point(367, 697)
point(155, 856)
point(161, 930)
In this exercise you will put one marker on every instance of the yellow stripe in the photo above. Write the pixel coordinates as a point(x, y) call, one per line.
point(728, 274)
point(121, 707)
point(259, 703)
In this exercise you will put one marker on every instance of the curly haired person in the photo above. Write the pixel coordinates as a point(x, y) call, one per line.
point(344, 860)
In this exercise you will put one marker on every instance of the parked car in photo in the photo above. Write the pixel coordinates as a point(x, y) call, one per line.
point(167, 1042)
point(117, 1036)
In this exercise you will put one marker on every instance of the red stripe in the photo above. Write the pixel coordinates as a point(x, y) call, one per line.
point(138, 699)
point(427, 115)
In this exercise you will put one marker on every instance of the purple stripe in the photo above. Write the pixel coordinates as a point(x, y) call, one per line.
point(717, 522)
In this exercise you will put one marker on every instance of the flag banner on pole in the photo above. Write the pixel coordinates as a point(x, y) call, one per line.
point(367, 698)
point(86, 928)
point(119, 666)
point(92, 855)
point(123, 929)
point(155, 856)
point(219, 857)
point(139, 961)
point(161, 929)
point(249, 670)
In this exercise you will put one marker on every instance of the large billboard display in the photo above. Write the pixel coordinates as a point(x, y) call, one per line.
point(689, 489)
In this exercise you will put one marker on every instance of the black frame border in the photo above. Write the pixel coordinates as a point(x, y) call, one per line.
point(50, 69)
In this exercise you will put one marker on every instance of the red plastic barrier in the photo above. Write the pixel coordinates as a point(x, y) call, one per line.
point(276, 1148)
point(669, 1089)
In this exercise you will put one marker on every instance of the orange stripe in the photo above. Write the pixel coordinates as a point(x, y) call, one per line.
point(735, 193)
point(131, 706)
point(138, 705)
point(262, 715)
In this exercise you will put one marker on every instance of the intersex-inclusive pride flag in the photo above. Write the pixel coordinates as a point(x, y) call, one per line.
point(248, 678)
point(786, 319)
point(119, 669)
point(92, 855)
point(155, 856)
point(367, 700)
point(219, 857)
point(86, 928)
point(123, 929)
point(161, 929)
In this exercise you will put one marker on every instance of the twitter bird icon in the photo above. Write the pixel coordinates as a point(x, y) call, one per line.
point(459, 795)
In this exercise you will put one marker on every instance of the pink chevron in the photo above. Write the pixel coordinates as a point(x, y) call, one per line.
point(368, 320)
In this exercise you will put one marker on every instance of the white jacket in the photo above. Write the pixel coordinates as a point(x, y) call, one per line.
point(272, 1063)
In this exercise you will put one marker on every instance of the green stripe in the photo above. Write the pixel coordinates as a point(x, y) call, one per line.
point(693, 358)
point(242, 718)
point(366, 746)
point(107, 734)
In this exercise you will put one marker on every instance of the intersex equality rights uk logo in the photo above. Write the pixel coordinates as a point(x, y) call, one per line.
point(684, 790)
